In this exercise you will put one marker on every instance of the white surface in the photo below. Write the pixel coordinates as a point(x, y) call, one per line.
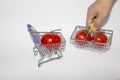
point(17, 61)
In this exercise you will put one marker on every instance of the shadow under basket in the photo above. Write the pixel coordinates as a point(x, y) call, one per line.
point(92, 45)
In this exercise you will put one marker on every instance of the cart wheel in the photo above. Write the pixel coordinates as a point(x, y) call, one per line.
point(39, 65)
point(59, 54)
point(35, 50)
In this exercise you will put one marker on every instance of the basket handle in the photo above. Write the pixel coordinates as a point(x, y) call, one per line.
point(30, 29)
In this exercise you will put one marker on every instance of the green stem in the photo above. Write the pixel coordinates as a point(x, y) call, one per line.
point(55, 30)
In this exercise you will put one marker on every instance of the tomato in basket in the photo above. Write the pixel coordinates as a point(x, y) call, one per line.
point(51, 40)
point(100, 39)
point(82, 36)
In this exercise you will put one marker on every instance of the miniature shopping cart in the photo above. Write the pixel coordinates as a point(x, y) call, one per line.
point(91, 45)
point(46, 54)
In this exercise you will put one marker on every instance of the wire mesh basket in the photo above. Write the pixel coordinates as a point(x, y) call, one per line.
point(92, 45)
point(47, 52)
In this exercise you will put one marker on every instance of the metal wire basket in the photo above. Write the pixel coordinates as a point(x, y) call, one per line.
point(92, 45)
point(46, 54)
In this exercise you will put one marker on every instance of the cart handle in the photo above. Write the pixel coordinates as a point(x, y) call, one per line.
point(30, 29)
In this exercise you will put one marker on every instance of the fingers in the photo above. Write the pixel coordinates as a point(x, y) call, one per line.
point(99, 20)
point(91, 14)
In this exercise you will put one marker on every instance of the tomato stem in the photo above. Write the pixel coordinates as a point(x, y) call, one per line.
point(101, 33)
point(55, 30)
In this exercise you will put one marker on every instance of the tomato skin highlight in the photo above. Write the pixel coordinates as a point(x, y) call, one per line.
point(81, 35)
point(100, 37)
point(51, 40)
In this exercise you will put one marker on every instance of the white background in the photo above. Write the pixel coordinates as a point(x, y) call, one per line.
point(17, 61)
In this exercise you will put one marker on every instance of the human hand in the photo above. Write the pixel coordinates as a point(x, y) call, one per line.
point(100, 9)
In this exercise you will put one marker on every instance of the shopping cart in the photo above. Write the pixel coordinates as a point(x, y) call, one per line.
point(46, 54)
point(92, 45)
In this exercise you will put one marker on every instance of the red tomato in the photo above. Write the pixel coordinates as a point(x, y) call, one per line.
point(100, 38)
point(81, 36)
point(51, 40)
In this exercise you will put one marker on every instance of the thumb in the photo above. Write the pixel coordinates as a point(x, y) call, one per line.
point(90, 17)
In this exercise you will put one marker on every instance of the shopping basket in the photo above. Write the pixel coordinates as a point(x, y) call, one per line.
point(92, 45)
